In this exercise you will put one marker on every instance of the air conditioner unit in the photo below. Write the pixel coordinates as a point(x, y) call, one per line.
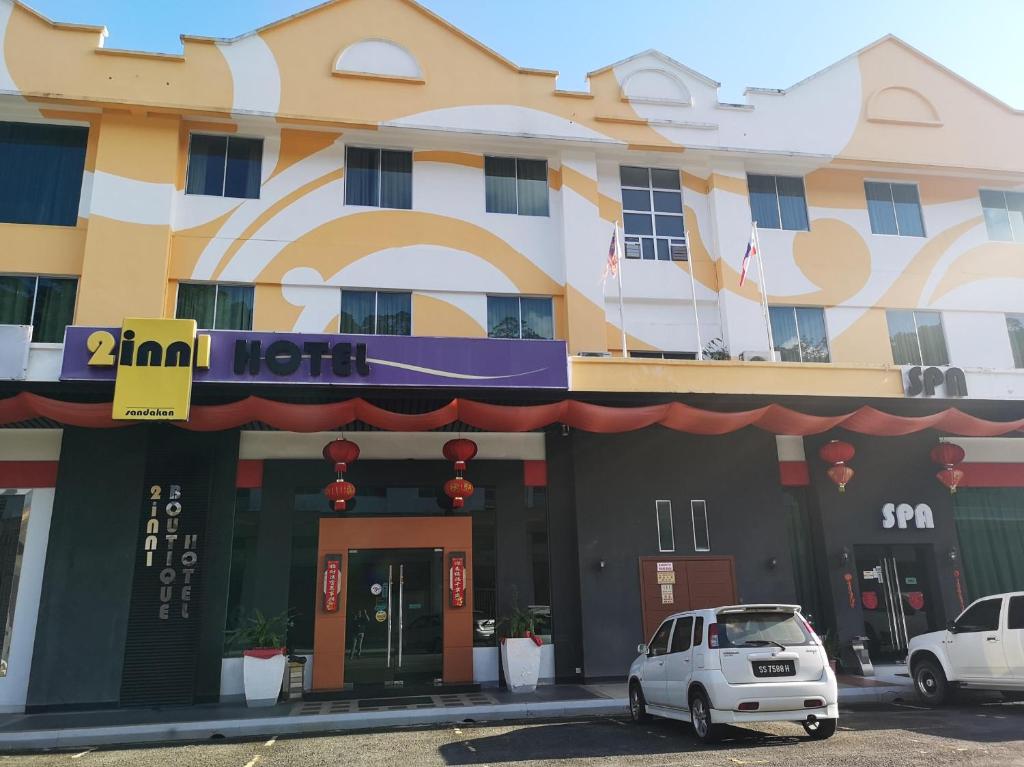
point(678, 250)
point(761, 356)
point(594, 354)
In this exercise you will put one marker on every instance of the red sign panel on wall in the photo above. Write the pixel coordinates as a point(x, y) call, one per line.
point(457, 578)
point(332, 582)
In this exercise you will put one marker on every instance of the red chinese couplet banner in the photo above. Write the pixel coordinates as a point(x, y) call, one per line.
point(457, 578)
point(332, 582)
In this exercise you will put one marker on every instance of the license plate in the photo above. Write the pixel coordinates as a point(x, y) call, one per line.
point(763, 668)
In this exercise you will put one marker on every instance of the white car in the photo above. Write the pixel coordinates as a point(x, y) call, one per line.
point(734, 665)
point(982, 649)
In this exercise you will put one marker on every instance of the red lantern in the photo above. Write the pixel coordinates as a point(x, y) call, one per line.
point(341, 452)
point(948, 454)
point(869, 599)
point(458, 489)
point(951, 477)
point(841, 474)
point(339, 493)
point(835, 452)
point(459, 451)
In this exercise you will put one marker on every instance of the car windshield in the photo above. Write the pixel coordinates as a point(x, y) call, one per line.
point(761, 629)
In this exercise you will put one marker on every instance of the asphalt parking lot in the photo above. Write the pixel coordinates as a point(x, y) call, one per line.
point(973, 733)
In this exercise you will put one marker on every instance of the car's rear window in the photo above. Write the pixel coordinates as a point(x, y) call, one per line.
point(761, 629)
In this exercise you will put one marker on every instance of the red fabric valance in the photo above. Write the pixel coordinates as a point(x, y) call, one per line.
point(515, 418)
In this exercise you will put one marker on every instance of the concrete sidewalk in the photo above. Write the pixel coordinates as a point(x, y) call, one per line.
point(22, 732)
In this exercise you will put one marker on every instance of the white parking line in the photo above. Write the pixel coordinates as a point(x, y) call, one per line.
point(252, 762)
point(907, 705)
point(79, 756)
point(271, 742)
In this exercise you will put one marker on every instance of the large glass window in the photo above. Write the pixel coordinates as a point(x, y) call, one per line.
point(519, 317)
point(917, 338)
point(216, 307)
point(778, 202)
point(894, 209)
point(540, 564)
point(1015, 327)
point(379, 178)
point(516, 186)
point(1004, 214)
point(14, 511)
point(652, 213)
point(990, 528)
point(41, 168)
point(45, 303)
point(799, 333)
point(224, 166)
point(981, 616)
point(376, 312)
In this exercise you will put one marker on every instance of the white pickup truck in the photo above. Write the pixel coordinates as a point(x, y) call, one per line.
point(982, 649)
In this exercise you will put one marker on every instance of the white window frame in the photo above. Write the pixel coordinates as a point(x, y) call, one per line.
point(376, 306)
point(216, 297)
point(378, 206)
point(917, 334)
point(796, 321)
point(920, 207)
point(519, 306)
point(224, 180)
point(35, 298)
point(637, 239)
point(778, 204)
point(547, 176)
point(693, 521)
point(1006, 318)
point(16, 579)
point(671, 525)
point(1013, 232)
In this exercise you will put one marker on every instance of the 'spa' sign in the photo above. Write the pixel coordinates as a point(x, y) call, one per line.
point(902, 515)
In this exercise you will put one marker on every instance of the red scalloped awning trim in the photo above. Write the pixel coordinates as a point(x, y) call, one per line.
point(517, 418)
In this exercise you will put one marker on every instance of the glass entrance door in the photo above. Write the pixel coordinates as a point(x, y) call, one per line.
point(897, 597)
point(394, 617)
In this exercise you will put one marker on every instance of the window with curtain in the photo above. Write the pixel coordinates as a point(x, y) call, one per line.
point(778, 202)
point(990, 526)
point(41, 168)
point(1015, 327)
point(379, 178)
point(650, 355)
point(45, 303)
point(519, 317)
point(216, 307)
point(224, 166)
point(799, 333)
point(894, 209)
point(516, 186)
point(1004, 214)
point(916, 337)
point(652, 214)
point(376, 312)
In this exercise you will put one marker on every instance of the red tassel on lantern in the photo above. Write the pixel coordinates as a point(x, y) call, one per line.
point(950, 455)
point(838, 453)
point(458, 489)
point(339, 493)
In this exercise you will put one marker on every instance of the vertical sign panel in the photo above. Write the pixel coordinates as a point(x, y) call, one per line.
point(332, 582)
point(457, 578)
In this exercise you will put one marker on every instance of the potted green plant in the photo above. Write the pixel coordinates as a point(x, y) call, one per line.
point(520, 649)
point(264, 657)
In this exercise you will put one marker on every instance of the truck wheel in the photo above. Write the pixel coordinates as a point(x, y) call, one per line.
point(700, 715)
point(930, 683)
point(821, 729)
point(637, 704)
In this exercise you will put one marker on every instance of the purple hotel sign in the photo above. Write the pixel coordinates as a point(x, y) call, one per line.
point(239, 357)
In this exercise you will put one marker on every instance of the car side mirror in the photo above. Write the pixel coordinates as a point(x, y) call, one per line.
point(951, 627)
point(641, 648)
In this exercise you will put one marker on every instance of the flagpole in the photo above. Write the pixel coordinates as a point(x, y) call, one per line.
point(618, 272)
point(693, 290)
point(764, 292)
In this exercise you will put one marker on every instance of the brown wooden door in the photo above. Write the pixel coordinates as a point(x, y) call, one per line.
point(675, 584)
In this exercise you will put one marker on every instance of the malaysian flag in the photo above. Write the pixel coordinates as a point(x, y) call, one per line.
point(611, 266)
point(751, 253)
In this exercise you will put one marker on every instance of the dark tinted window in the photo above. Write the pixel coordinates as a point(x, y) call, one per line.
point(681, 639)
point(982, 616)
point(698, 632)
point(41, 169)
point(1015, 620)
point(659, 644)
point(224, 166)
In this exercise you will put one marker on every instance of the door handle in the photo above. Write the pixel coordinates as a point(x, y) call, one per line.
point(991, 639)
point(401, 611)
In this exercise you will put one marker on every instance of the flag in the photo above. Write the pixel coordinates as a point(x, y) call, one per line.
point(611, 267)
point(751, 252)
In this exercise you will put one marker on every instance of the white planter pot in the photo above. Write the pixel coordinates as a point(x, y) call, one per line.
point(263, 678)
point(520, 659)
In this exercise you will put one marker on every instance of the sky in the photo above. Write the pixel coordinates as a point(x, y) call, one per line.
point(739, 43)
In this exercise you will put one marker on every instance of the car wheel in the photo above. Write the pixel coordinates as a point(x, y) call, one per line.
point(930, 683)
point(637, 704)
point(700, 716)
point(820, 729)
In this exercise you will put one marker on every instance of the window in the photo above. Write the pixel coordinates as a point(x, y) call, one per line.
point(666, 535)
point(799, 333)
point(216, 307)
point(894, 209)
point(1015, 619)
point(518, 317)
point(778, 202)
point(45, 303)
point(699, 515)
point(750, 629)
point(681, 637)
point(698, 631)
point(375, 312)
point(1015, 327)
point(14, 515)
point(41, 168)
point(380, 178)
point(917, 338)
point(649, 355)
point(224, 166)
point(981, 616)
point(659, 643)
point(516, 186)
point(1004, 214)
point(652, 211)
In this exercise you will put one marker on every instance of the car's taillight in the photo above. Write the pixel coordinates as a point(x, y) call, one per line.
point(713, 636)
